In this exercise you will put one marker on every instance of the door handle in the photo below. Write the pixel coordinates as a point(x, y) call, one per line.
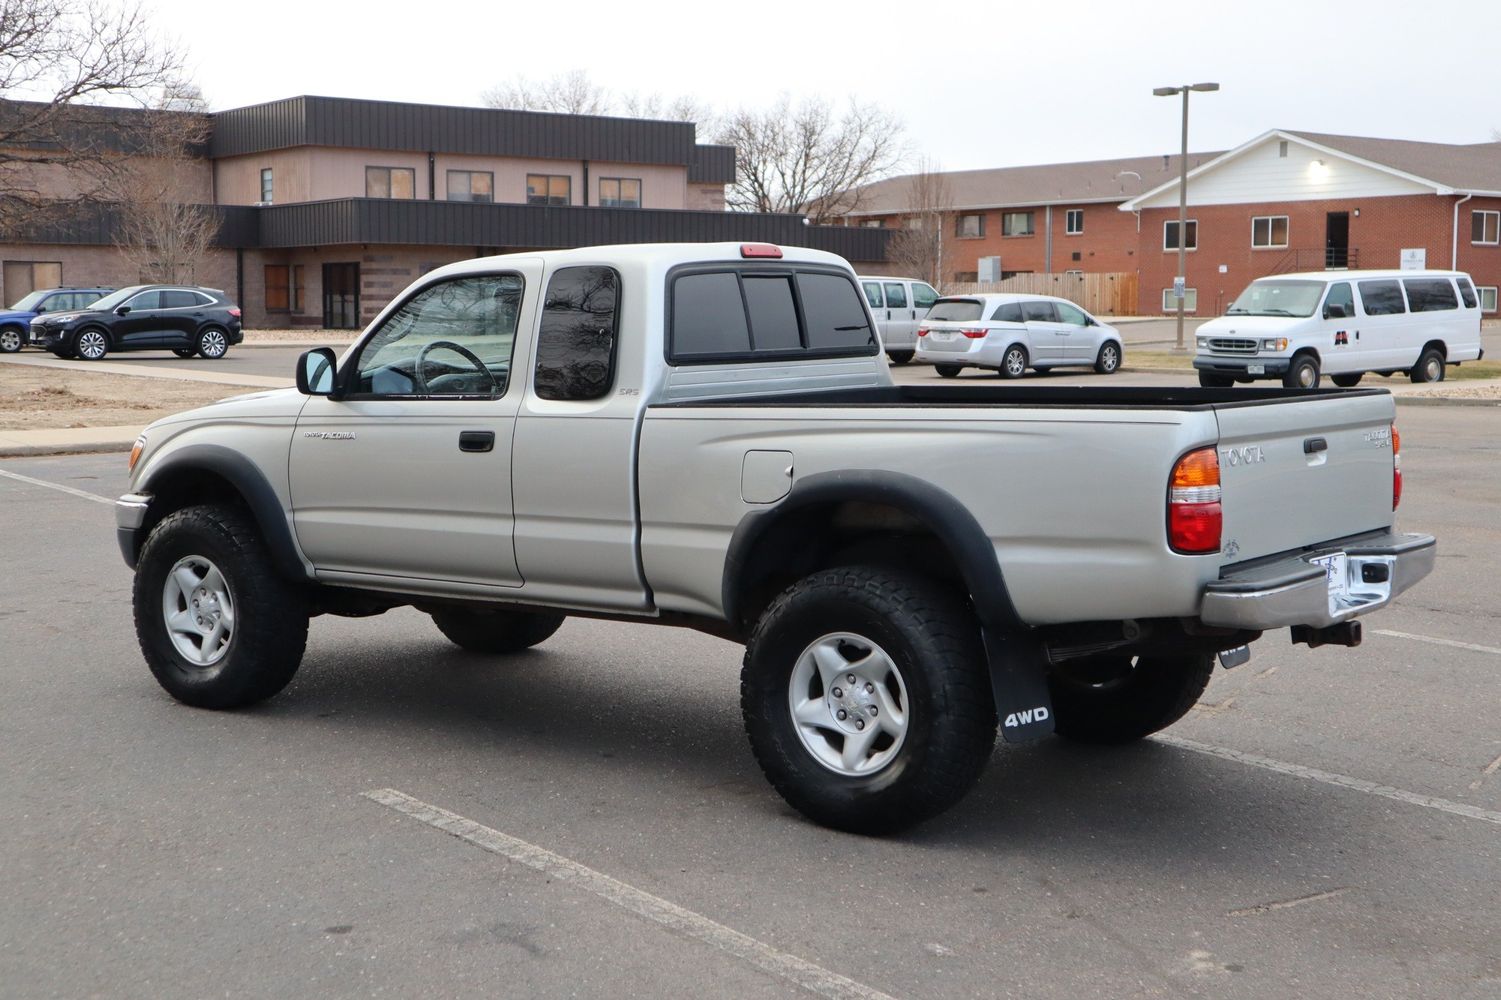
point(476, 440)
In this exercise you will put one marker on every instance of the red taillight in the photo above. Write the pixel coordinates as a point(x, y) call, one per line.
point(760, 250)
point(234, 311)
point(1396, 467)
point(974, 334)
point(1194, 516)
point(923, 332)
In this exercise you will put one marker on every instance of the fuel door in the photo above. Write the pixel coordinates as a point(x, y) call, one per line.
point(765, 476)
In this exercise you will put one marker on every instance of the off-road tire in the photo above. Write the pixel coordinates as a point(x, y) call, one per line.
point(270, 613)
point(1126, 701)
point(934, 642)
point(495, 631)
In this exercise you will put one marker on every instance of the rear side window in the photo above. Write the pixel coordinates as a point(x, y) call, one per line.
point(781, 312)
point(1039, 312)
point(1430, 294)
point(923, 296)
point(708, 315)
point(873, 294)
point(832, 313)
point(955, 311)
point(773, 314)
point(1381, 298)
point(1466, 292)
point(1008, 312)
point(896, 295)
point(179, 300)
point(576, 341)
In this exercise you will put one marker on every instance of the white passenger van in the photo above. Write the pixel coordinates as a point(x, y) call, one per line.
point(1300, 327)
point(899, 305)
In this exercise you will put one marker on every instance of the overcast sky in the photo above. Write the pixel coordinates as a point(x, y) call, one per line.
point(977, 84)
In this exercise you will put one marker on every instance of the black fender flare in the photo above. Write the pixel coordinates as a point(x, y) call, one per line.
point(250, 482)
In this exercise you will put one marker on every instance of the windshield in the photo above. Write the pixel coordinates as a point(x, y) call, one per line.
point(29, 301)
point(115, 298)
point(1277, 298)
point(955, 311)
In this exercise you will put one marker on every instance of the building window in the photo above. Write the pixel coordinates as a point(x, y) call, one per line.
point(278, 298)
point(297, 288)
point(471, 185)
point(1487, 298)
point(619, 192)
point(549, 189)
point(1017, 223)
point(1282, 149)
point(1485, 227)
point(874, 223)
point(969, 227)
point(1190, 300)
point(1170, 235)
point(266, 187)
point(22, 277)
point(390, 182)
point(1266, 231)
point(1073, 222)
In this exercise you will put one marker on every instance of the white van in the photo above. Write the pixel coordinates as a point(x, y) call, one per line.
point(899, 305)
point(1299, 327)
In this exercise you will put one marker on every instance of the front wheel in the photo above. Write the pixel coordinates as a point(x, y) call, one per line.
point(1108, 361)
point(866, 698)
point(11, 339)
point(218, 626)
point(1014, 362)
point(899, 357)
point(1430, 367)
point(1120, 699)
point(91, 345)
point(495, 631)
point(1209, 380)
point(948, 371)
point(1303, 373)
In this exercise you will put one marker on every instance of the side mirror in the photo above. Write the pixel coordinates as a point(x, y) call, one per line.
point(123, 310)
point(315, 372)
point(1335, 311)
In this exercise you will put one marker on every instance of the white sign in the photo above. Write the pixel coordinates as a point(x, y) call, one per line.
point(990, 269)
point(1224, 268)
point(1178, 285)
point(1415, 259)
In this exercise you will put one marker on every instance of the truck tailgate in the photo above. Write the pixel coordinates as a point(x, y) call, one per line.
point(1304, 471)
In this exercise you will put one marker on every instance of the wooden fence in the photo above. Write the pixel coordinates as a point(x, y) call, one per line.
point(1101, 294)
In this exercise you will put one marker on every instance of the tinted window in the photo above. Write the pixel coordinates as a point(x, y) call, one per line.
point(179, 300)
point(1039, 312)
point(773, 317)
point(873, 294)
point(923, 296)
point(1430, 294)
point(1340, 295)
point(1071, 314)
point(1467, 292)
point(832, 312)
point(450, 339)
point(146, 300)
point(1008, 312)
point(955, 310)
point(576, 342)
point(1381, 298)
point(708, 316)
point(896, 295)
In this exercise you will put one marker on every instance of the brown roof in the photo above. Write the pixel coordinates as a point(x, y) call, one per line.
point(1046, 183)
point(1473, 167)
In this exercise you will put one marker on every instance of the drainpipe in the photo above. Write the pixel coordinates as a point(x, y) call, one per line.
point(1047, 222)
point(432, 177)
point(1454, 252)
point(586, 183)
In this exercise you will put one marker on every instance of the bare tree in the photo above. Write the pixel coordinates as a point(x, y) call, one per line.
point(571, 93)
point(918, 247)
point(165, 230)
point(60, 62)
point(808, 159)
point(670, 109)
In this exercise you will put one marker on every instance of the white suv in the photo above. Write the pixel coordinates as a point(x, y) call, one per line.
point(1011, 333)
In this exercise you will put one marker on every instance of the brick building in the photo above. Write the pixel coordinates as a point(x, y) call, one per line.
point(327, 207)
point(1285, 201)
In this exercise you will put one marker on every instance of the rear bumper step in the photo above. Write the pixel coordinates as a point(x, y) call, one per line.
point(1321, 587)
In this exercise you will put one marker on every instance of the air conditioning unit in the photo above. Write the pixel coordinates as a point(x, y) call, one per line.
point(990, 269)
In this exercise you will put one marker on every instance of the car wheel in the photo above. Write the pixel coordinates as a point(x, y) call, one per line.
point(1303, 373)
point(218, 626)
point(1108, 362)
point(1430, 367)
point(91, 345)
point(1120, 699)
point(184, 352)
point(866, 698)
point(899, 357)
point(495, 631)
point(213, 343)
point(1210, 380)
point(1348, 381)
point(948, 371)
point(1013, 362)
point(12, 338)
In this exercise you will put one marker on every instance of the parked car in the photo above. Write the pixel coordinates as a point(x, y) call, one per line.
point(706, 435)
point(899, 306)
point(1011, 333)
point(182, 319)
point(1301, 327)
point(15, 322)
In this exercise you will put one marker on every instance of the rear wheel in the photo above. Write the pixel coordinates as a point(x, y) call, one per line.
point(1014, 362)
point(1347, 381)
point(948, 371)
point(899, 357)
point(91, 345)
point(1303, 373)
point(11, 339)
point(1430, 367)
point(1108, 361)
point(213, 343)
point(495, 631)
point(1210, 380)
point(1119, 699)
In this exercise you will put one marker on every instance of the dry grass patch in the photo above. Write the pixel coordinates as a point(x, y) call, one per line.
point(35, 398)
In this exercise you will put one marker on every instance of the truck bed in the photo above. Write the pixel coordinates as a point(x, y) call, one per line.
point(1030, 396)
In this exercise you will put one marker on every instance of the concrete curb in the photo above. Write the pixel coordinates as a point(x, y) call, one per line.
point(79, 448)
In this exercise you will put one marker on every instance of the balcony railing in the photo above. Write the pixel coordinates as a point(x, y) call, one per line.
point(1318, 259)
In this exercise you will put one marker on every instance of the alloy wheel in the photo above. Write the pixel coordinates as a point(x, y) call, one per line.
point(92, 345)
point(849, 704)
point(199, 611)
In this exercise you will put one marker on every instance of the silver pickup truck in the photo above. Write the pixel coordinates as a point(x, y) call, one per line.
point(708, 436)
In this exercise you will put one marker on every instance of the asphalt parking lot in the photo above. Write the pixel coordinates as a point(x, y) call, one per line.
point(586, 820)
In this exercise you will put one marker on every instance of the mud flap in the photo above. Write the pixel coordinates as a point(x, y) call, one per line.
point(1019, 679)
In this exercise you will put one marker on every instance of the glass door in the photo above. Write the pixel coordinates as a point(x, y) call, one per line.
point(341, 296)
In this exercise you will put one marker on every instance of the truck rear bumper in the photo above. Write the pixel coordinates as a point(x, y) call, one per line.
point(1319, 587)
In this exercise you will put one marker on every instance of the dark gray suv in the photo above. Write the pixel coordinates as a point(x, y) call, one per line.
point(179, 318)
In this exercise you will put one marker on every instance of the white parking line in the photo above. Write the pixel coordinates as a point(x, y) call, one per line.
point(83, 494)
point(813, 978)
point(1437, 641)
point(1337, 780)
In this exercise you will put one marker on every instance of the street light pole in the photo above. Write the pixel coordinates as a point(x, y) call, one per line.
point(1180, 287)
